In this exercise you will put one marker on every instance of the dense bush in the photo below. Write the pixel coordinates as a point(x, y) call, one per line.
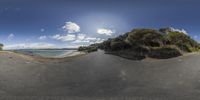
point(1, 46)
point(87, 49)
point(140, 43)
point(106, 45)
point(129, 54)
point(146, 37)
point(164, 52)
point(119, 44)
point(183, 41)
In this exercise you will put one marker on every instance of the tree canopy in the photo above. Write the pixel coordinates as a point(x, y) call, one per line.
point(1, 46)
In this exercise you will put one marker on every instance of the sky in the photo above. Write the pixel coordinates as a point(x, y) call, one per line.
point(73, 23)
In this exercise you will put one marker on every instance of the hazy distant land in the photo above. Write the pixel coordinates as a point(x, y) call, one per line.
point(50, 53)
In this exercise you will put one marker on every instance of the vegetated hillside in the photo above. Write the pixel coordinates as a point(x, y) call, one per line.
point(141, 43)
point(1, 46)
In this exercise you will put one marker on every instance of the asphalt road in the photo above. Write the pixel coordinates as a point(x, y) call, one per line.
point(100, 76)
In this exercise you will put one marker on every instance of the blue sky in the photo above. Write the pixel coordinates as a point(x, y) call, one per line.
point(71, 23)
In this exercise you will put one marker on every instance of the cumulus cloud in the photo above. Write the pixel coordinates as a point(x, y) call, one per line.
point(87, 40)
point(84, 39)
point(80, 41)
point(42, 37)
point(178, 30)
point(105, 31)
point(99, 40)
point(64, 38)
point(91, 38)
point(29, 46)
point(74, 46)
point(71, 27)
point(81, 36)
point(76, 39)
point(11, 36)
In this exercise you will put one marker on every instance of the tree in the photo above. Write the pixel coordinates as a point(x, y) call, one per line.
point(106, 45)
point(146, 37)
point(1, 46)
point(183, 41)
point(141, 43)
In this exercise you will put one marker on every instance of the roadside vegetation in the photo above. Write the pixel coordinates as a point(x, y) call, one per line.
point(141, 43)
point(88, 49)
point(1, 46)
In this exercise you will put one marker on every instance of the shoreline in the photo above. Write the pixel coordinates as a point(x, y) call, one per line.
point(31, 57)
point(69, 54)
point(75, 54)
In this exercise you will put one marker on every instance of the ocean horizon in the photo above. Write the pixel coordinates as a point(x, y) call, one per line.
point(47, 53)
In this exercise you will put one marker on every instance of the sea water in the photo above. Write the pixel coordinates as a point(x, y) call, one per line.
point(46, 53)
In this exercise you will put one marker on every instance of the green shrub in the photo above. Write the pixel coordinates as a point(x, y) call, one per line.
point(119, 43)
point(106, 45)
point(146, 37)
point(129, 54)
point(139, 43)
point(92, 49)
point(1, 46)
point(164, 52)
point(183, 41)
point(87, 49)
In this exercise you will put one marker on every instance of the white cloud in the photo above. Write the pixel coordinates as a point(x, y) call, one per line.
point(99, 40)
point(91, 38)
point(105, 31)
point(11, 36)
point(83, 39)
point(74, 46)
point(80, 41)
point(42, 37)
point(81, 36)
point(68, 37)
point(29, 46)
point(71, 27)
point(178, 30)
point(87, 40)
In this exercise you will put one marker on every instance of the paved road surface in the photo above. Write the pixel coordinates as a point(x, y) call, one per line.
point(98, 75)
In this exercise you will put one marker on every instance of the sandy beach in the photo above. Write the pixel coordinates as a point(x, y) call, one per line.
point(71, 54)
point(99, 76)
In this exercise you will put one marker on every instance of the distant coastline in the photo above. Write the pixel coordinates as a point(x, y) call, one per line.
point(46, 49)
point(49, 53)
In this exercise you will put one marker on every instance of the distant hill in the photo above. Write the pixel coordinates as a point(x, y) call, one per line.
point(141, 43)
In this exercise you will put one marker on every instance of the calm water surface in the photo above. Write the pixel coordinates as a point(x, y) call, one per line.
point(47, 53)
